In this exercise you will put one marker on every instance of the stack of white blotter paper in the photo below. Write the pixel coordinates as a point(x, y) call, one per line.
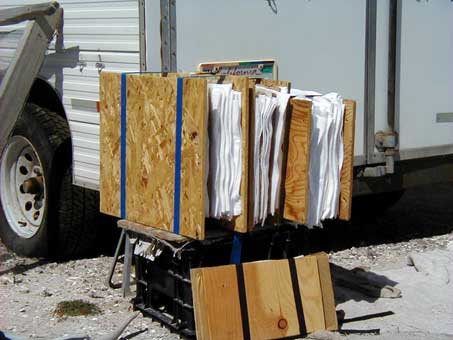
point(326, 155)
point(269, 124)
point(224, 158)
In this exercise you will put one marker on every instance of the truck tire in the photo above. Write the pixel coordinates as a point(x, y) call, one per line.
point(41, 213)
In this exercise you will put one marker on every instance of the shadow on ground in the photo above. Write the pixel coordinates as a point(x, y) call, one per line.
point(421, 212)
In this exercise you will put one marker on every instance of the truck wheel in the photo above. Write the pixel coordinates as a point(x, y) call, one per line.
point(35, 185)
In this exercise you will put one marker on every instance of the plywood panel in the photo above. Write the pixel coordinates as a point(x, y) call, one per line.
point(110, 115)
point(270, 300)
point(216, 303)
point(325, 279)
point(347, 170)
point(150, 143)
point(193, 158)
point(310, 290)
point(298, 161)
point(274, 83)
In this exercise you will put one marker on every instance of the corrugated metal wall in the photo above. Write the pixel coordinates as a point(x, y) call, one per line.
point(101, 34)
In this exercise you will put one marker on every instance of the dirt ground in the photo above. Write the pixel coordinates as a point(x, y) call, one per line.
point(30, 289)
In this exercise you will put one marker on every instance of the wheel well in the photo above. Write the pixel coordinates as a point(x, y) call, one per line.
point(44, 95)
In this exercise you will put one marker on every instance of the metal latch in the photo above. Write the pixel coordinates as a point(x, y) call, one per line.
point(385, 142)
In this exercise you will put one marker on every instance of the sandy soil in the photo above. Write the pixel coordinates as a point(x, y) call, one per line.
point(30, 289)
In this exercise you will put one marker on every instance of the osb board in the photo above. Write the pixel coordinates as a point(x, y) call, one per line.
point(110, 139)
point(270, 82)
point(150, 155)
point(347, 170)
point(193, 158)
point(270, 304)
point(298, 161)
point(109, 180)
point(273, 84)
point(270, 300)
point(216, 303)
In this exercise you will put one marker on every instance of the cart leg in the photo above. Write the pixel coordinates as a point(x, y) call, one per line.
point(126, 290)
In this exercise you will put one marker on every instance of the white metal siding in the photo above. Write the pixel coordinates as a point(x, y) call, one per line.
point(96, 33)
point(426, 73)
point(318, 45)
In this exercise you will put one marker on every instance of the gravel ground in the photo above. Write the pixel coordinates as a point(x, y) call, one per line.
point(30, 289)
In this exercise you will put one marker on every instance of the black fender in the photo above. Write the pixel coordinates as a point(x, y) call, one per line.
point(43, 94)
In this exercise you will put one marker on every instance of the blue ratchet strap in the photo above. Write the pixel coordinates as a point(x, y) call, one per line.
point(178, 143)
point(123, 146)
point(236, 249)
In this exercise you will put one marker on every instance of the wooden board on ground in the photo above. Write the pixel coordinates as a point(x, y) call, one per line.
point(207, 287)
point(347, 170)
point(310, 291)
point(270, 304)
point(273, 314)
point(325, 279)
point(298, 161)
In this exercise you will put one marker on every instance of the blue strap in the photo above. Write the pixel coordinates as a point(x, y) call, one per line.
point(123, 146)
point(178, 134)
point(236, 249)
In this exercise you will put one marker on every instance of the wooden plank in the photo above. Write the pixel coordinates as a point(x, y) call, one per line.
point(298, 161)
point(110, 115)
point(270, 300)
point(193, 158)
point(151, 232)
point(274, 83)
point(241, 84)
point(310, 291)
point(328, 299)
point(347, 170)
point(216, 303)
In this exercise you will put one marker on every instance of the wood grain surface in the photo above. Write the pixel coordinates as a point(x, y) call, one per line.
point(109, 143)
point(310, 290)
point(193, 158)
point(216, 303)
point(347, 170)
point(325, 279)
point(270, 300)
point(298, 162)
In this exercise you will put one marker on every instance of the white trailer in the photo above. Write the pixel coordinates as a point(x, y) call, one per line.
point(392, 56)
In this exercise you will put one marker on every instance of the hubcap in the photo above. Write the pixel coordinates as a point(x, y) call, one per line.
point(23, 189)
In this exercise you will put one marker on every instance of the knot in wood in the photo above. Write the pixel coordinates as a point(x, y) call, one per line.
point(282, 323)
